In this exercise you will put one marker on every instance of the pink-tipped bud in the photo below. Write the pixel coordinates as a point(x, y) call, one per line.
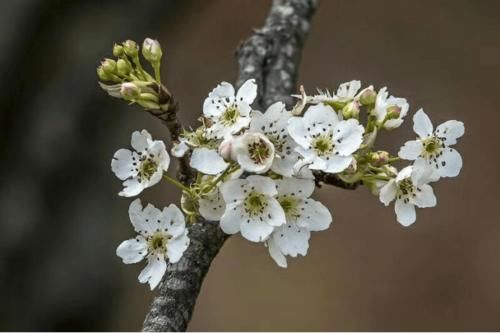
point(225, 149)
point(129, 90)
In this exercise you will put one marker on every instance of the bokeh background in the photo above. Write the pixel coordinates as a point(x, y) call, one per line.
point(61, 220)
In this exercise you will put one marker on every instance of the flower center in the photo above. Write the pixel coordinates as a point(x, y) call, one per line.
point(230, 116)
point(290, 206)
point(255, 203)
point(147, 169)
point(259, 151)
point(432, 145)
point(157, 243)
point(407, 190)
point(323, 145)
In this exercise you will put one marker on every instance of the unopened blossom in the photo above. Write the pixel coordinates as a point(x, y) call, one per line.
point(389, 111)
point(303, 215)
point(325, 142)
point(162, 237)
point(273, 123)
point(253, 151)
point(229, 112)
point(251, 208)
point(410, 189)
point(143, 167)
point(432, 149)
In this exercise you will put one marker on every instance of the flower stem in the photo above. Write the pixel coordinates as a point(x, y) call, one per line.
point(176, 183)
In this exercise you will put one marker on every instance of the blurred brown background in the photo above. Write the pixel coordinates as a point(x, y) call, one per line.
point(61, 219)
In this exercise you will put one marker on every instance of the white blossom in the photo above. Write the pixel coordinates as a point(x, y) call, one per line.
point(253, 152)
point(432, 149)
point(229, 112)
point(390, 111)
point(251, 208)
point(410, 189)
point(162, 237)
point(303, 215)
point(143, 167)
point(325, 142)
point(273, 123)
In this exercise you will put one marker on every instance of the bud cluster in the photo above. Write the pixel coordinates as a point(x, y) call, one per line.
point(124, 77)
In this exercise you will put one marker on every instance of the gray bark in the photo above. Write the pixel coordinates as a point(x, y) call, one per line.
point(272, 57)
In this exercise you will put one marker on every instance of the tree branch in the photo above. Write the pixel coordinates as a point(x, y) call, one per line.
point(168, 115)
point(271, 56)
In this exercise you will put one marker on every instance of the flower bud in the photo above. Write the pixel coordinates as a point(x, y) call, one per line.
point(393, 112)
point(351, 110)
point(130, 48)
point(225, 149)
point(117, 50)
point(368, 96)
point(379, 158)
point(151, 50)
point(129, 91)
point(102, 74)
point(108, 66)
point(123, 67)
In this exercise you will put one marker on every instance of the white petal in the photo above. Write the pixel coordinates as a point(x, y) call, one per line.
point(405, 213)
point(255, 230)
point(264, 185)
point(411, 150)
point(133, 250)
point(172, 220)
point(232, 218)
point(224, 89)
point(153, 272)
point(348, 90)
point(292, 239)
point(300, 188)
point(212, 206)
point(247, 92)
point(423, 172)
point(450, 163)
point(314, 216)
point(450, 130)
point(234, 189)
point(276, 254)
point(380, 109)
point(131, 187)
point(160, 155)
point(348, 135)
point(297, 130)
point(179, 149)
point(388, 192)
point(141, 218)
point(338, 164)
point(321, 115)
point(141, 140)
point(425, 197)
point(207, 161)
point(422, 124)
point(274, 214)
point(177, 246)
point(406, 172)
point(284, 165)
point(393, 123)
point(122, 164)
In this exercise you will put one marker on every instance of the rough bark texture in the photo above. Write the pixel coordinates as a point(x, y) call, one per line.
point(271, 56)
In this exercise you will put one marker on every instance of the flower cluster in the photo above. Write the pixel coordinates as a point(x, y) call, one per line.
point(256, 170)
